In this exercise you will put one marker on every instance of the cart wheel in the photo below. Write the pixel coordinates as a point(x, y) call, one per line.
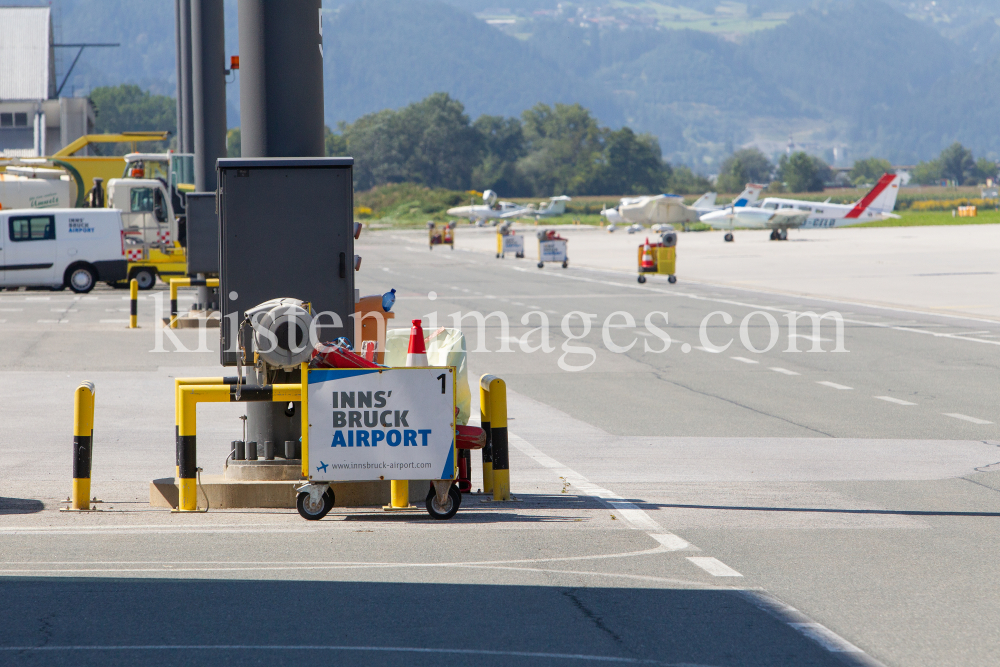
point(314, 511)
point(642, 279)
point(498, 255)
point(431, 247)
point(541, 264)
point(565, 263)
point(672, 279)
point(437, 511)
point(728, 237)
point(452, 246)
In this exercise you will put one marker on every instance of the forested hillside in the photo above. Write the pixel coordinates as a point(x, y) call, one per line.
point(842, 78)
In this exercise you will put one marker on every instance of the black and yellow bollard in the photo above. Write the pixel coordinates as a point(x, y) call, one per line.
point(185, 282)
point(496, 391)
point(484, 418)
point(133, 304)
point(83, 443)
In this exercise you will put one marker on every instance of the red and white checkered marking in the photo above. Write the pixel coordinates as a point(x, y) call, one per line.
point(133, 254)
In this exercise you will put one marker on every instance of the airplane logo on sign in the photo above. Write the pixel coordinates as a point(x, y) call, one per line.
point(321, 467)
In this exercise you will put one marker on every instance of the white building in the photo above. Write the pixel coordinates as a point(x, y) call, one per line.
point(33, 122)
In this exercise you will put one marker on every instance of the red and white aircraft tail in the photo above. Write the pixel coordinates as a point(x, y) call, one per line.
point(880, 199)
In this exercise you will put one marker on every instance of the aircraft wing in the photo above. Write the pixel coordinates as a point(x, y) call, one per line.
point(788, 218)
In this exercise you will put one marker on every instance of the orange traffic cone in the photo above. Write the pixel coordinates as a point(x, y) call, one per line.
point(416, 353)
point(647, 257)
point(447, 234)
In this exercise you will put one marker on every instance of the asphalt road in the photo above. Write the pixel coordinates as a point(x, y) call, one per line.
point(679, 507)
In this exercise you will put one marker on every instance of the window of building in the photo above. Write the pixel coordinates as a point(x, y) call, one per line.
point(20, 119)
point(6, 119)
point(34, 228)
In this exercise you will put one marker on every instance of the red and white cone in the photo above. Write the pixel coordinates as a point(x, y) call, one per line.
point(647, 257)
point(416, 353)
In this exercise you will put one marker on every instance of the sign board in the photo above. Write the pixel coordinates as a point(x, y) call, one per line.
point(391, 423)
point(513, 243)
point(552, 251)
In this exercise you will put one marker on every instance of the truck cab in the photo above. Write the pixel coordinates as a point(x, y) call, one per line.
point(148, 195)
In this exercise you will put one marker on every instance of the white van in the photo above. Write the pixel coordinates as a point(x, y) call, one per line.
point(61, 247)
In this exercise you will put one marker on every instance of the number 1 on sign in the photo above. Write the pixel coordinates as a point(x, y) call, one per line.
point(441, 377)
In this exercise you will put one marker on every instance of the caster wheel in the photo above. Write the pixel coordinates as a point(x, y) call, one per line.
point(541, 264)
point(498, 255)
point(672, 279)
point(642, 279)
point(774, 235)
point(783, 235)
point(448, 510)
point(431, 247)
point(314, 511)
point(565, 263)
point(728, 238)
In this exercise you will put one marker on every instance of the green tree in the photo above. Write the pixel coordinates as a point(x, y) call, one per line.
point(683, 181)
point(564, 144)
point(986, 169)
point(927, 173)
point(429, 142)
point(802, 172)
point(747, 165)
point(336, 144)
point(629, 164)
point(128, 108)
point(233, 143)
point(502, 140)
point(869, 170)
point(957, 164)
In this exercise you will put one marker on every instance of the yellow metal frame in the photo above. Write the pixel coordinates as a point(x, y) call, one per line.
point(184, 282)
point(664, 260)
point(122, 137)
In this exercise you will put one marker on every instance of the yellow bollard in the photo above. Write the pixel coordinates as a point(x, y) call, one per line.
point(133, 295)
point(498, 436)
point(487, 450)
point(83, 442)
point(400, 494)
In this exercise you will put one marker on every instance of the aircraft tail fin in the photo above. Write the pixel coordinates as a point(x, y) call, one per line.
point(749, 195)
point(880, 199)
point(707, 200)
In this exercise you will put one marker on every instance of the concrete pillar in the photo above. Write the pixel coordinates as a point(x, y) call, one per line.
point(208, 69)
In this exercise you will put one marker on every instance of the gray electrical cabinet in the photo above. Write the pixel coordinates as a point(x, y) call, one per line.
point(202, 234)
point(285, 230)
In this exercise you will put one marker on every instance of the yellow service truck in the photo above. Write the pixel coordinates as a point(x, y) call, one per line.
point(149, 194)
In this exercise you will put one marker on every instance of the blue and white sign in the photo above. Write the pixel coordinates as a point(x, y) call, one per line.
point(513, 243)
point(552, 251)
point(391, 423)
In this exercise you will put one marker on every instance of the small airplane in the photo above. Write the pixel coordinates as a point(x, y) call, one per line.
point(779, 215)
point(555, 206)
point(670, 209)
point(490, 209)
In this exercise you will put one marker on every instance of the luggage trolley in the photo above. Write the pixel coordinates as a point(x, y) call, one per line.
point(551, 248)
point(372, 424)
point(443, 235)
point(661, 258)
point(509, 241)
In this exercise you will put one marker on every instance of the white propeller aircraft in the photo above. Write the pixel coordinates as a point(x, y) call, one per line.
point(670, 209)
point(779, 215)
point(490, 209)
point(555, 206)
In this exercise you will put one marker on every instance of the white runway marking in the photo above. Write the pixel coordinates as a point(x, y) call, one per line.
point(745, 360)
point(783, 371)
point(967, 418)
point(52, 322)
point(897, 401)
point(670, 541)
point(834, 385)
point(714, 566)
point(114, 322)
point(38, 298)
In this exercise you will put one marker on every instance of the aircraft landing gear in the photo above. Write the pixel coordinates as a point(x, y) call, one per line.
point(774, 234)
point(783, 235)
point(728, 237)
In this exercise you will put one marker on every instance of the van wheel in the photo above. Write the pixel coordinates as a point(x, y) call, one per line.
point(145, 277)
point(81, 278)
